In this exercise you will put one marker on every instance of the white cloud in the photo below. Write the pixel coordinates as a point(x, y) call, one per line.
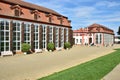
point(116, 19)
point(108, 3)
point(84, 11)
point(92, 20)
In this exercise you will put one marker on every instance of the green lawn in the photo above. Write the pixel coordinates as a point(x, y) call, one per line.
point(91, 70)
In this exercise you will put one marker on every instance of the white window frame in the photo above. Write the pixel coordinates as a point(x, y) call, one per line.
point(5, 20)
point(16, 35)
point(44, 37)
point(62, 37)
point(51, 33)
point(66, 34)
point(28, 41)
point(35, 41)
point(57, 38)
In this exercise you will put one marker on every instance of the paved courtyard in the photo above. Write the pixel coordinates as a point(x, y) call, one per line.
point(34, 66)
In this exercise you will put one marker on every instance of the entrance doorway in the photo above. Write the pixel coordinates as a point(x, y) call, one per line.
point(90, 40)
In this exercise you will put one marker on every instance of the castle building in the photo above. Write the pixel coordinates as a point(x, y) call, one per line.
point(94, 34)
point(23, 22)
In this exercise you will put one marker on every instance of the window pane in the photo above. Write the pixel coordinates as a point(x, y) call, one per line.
point(17, 12)
point(7, 48)
point(18, 24)
point(2, 33)
point(7, 25)
point(18, 28)
point(7, 33)
point(14, 24)
point(7, 38)
point(18, 48)
point(2, 48)
point(2, 25)
point(7, 43)
point(14, 44)
point(18, 38)
point(2, 44)
point(18, 34)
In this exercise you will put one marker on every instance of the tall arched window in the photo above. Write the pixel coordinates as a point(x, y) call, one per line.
point(4, 35)
point(100, 38)
point(96, 38)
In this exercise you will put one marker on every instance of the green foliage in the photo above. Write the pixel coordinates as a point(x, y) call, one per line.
point(67, 45)
point(92, 70)
point(118, 31)
point(51, 46)
point(118, 37)
point(25, 47)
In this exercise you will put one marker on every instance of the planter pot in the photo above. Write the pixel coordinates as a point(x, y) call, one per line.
point(67, 48)
point(50, 50)
point(25, 52)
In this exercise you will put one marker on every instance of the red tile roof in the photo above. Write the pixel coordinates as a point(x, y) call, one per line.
point(32, 6)
point(81, 30)
point(98, 25)
point(94, 28)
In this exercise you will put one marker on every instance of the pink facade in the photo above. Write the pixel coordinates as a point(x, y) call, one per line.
point(94, 34)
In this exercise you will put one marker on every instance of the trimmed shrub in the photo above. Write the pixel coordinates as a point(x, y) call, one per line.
point(51, 46)
point(67, 45)
point(25, 47)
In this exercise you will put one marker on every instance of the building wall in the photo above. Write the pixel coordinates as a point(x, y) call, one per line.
point(97, 38)
point(108, 39)
point(15, 30)
point(32, 35)
point(96, 34)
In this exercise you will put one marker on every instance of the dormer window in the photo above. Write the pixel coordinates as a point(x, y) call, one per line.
point(50, 20)
point(69, 21)
point(36, 14)
point(61, 22)
point(61, 19)
point(49, 17)
point(17, 12)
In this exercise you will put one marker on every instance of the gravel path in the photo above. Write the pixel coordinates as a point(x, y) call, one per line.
point(34, 66)
point(114, 74)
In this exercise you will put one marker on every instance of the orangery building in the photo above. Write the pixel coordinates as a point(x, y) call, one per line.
point(23, 22)
point(94, 34)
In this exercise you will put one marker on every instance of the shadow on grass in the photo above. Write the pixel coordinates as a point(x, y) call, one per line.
point(118, 49)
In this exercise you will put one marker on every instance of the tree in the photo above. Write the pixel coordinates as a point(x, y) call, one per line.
point(118, 31)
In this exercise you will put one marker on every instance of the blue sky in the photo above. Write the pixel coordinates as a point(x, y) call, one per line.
point(83, 13)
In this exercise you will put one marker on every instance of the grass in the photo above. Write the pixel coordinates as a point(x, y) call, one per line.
point(92, 70)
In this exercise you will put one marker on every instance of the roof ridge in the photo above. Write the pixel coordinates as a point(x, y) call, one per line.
point(99, 26)
point(32, 6)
